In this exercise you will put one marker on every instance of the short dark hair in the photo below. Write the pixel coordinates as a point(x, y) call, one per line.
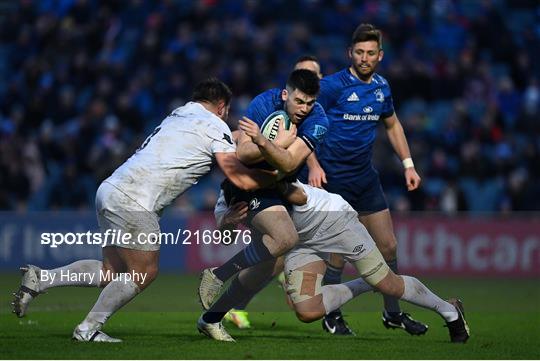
point(307, 58)
point(367, 32)
point(212, 90)
point(304, 80)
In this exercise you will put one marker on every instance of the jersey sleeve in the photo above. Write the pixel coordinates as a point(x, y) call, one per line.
point(314, 128)
point(221, 140)
point(388, 105)
point(329, 93)
point(259, 108)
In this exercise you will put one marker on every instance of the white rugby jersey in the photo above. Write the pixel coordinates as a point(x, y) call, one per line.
point(174, 157)
point(322, 210)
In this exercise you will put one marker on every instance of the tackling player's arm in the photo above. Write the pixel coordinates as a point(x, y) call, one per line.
point(229, 218)
point(241, 176)
point(397, 138)
point(285, 160)
point(247, 151)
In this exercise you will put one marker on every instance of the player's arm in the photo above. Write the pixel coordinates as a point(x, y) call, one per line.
point(229, 218)
point(317, 175)
point(236, 136)
point(397, 138)
point(285, 160)
point(241, 176)
point(249, 153)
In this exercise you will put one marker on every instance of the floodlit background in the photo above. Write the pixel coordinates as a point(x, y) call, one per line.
point(84, 82)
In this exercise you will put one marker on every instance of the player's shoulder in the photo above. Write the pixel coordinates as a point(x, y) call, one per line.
point(193, 110)
point(263, 105)
point(380, 80)
point(338, 82)
point(196, 116)
point(269, 96)
point(314, 127)
point(318, 111)
point(317, 115)
point(337, 79)
point(314, 195)
point(309, 191)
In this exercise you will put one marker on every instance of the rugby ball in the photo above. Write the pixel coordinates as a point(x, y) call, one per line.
point(270, 127)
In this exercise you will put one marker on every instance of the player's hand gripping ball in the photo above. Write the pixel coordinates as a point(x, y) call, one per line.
point(270, 126)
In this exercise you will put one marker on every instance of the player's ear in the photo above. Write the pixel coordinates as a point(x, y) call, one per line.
point(284, 95)
point(349, 52)
point(221, 108)
point(381, 54)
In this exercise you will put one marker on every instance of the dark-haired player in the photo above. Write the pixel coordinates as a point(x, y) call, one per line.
point(268, 215)
point(356, 100)
point(238, 315)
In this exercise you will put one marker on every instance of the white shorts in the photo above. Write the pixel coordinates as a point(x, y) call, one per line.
point(303, 285)
point(116, 211)
point(349, 239)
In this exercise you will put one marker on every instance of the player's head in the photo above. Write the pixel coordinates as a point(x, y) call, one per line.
point(365, 51)
point(215, 95)
point(300, 94)
point(309, 62)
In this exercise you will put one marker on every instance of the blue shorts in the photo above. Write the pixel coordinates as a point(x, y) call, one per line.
point(257, 200)
point(365, 194)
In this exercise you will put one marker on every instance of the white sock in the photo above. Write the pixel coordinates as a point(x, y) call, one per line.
point(115, 295)
point(334, 296)
point(84, 273)
point(417, 293)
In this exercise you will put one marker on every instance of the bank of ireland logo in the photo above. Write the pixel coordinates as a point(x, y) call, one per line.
point(367, 109)
point(254, 204)
point(379, 96)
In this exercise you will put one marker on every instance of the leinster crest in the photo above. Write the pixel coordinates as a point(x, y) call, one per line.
point(379, 96)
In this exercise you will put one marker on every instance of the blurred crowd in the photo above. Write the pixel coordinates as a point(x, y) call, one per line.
point(83, 83)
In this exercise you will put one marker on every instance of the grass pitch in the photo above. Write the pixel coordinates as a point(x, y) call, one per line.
point(504, 316)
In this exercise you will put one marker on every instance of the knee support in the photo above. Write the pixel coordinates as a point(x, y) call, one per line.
point(372, 267)
point(303, 285)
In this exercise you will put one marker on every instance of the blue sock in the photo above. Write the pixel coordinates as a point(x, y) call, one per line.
point(234, 294)
point(249, 296)
point(332, 275)
point(255, 253)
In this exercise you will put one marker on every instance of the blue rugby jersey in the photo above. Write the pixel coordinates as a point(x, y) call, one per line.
point(354, 110)
point(311, 130)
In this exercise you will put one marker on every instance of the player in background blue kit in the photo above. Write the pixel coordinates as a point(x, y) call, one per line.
point(356, 100)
